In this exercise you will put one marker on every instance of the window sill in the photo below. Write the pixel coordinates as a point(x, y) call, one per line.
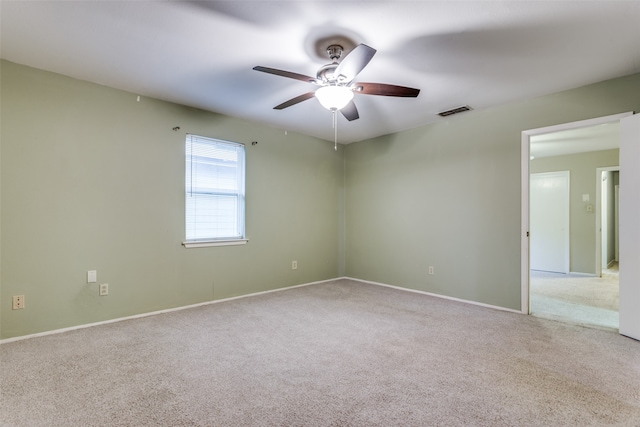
point(206, 244)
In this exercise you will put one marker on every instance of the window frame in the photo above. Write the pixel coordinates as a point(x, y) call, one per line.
point(239, 192)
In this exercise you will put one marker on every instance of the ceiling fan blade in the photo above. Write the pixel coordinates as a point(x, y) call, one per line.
point(354, 62)
point(385, 90)
point(350, 112)
point(288, 74)
point(294, 101)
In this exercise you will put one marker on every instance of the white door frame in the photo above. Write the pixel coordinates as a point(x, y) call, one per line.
point(599, 215)
point(524, 223)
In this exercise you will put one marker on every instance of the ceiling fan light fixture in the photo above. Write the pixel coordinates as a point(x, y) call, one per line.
point(334, 97)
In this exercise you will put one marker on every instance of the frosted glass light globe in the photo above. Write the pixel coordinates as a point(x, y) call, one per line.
point(334, 97)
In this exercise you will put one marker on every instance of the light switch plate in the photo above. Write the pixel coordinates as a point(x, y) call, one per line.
point(92, 276)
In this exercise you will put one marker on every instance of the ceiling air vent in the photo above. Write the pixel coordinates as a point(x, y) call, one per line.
point(454, 111)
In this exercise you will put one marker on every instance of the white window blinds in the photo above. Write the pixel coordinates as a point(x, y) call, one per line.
point(214, 190)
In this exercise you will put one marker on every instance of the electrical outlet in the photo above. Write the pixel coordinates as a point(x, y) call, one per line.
point(104, 289)
point(18, 302)
point(294, 265)
point(431, 269)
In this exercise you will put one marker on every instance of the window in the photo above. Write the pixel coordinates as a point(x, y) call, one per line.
point(214, 192)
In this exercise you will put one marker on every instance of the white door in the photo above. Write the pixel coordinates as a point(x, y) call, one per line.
point(549, 221)
point(630, 226)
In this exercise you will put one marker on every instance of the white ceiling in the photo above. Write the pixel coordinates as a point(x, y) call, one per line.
point(201, 54)
point(581, 140)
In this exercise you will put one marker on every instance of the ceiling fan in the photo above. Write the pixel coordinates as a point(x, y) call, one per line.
point(337, 88)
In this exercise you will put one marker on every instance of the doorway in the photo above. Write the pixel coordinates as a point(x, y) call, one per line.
point(583, 287)
point(607, 219)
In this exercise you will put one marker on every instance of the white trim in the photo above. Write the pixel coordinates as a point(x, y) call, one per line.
point(206, 244)
point(170, 310)
point(577, 125)
point(598, 209)
point(579, 273)
point(524, 223)
point(495, 307)
point(153, 313)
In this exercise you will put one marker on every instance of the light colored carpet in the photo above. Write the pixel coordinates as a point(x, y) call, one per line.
point(341, 353)
point(586, 300)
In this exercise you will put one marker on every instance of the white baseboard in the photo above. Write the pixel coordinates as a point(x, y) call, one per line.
point(153, 313)
point(169, 310)
point(494, 307)
point(578, 273)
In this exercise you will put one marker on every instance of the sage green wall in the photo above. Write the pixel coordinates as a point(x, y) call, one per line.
point(582, 180)
point(448, 195)
point(93, 179)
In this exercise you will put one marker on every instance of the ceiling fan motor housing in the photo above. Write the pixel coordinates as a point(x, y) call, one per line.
point(326, 73)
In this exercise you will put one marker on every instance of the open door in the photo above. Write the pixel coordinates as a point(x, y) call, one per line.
point(630, 226)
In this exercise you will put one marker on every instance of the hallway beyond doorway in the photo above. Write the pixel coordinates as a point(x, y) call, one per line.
point(573, 298)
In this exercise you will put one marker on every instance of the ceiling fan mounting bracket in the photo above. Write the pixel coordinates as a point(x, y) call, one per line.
point(319, 45)
point(335, 52)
